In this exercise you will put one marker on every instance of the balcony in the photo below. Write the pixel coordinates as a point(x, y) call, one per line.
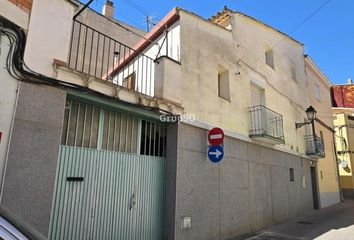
point(100, 56)
point(314, 146)
point(266, 125)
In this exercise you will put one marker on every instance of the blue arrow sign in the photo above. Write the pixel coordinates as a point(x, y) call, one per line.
point(215, 153)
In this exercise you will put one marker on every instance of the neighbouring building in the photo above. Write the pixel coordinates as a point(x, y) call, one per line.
point(343, 111)
point(86, 153)
point(319, 90)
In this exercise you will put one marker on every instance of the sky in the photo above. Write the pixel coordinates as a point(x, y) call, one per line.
point(328, 35)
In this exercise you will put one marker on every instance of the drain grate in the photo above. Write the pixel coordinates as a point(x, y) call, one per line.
point(304, 222)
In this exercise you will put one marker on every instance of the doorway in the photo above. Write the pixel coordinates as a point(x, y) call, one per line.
point(314, 188)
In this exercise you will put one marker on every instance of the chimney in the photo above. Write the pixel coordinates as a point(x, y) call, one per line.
point(108, 9)
point(350, 81)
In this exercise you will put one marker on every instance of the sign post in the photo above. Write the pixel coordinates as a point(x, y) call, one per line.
point(216, 138)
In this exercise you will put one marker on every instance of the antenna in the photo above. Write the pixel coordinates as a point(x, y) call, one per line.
point(150, 22)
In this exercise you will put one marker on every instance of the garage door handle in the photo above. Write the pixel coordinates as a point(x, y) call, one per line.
point(132, 201)
point(74, 179)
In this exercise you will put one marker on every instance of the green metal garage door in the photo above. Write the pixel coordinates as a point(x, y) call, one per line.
point(103, 193)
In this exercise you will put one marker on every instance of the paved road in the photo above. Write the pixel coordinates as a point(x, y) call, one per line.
point(333, 223)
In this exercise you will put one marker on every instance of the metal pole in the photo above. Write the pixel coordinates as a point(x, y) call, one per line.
point(314, 134)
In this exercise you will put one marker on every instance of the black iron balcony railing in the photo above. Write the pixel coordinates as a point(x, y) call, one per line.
point(314, 146)
point(266, 124)
point(100, 56)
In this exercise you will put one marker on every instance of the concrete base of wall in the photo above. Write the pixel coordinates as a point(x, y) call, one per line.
point(329, 198)
point(33, 155)
point(348, 193)
point(248, 190)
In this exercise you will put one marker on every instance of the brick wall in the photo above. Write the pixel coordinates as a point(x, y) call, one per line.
point(25, 5)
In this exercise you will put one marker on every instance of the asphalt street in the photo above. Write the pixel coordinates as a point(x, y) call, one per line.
point(332, 223)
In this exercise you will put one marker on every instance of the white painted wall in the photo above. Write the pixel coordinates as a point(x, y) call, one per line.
point(49, 34)
point(8, 95)
point(14, 13)
point(326, 167)
point(9, 86)
point(204, 46)
point(145, 67)
point(170, 46)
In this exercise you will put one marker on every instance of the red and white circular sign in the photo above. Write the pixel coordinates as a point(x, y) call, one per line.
point(216, 136)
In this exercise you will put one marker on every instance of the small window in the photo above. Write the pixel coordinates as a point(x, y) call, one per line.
point(129, 82)
point(269, 56)
point(293, 72)
point(292, 176)
point(153, 139)
point(223, 83)
point(318, 92)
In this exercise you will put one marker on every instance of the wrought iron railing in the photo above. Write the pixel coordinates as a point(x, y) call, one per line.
point(266, 123)
point(100, 56)
point(314, 146)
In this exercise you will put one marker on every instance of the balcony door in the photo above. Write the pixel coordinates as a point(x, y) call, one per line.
point(257, 96)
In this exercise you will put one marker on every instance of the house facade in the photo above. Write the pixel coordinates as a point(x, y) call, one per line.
point(89, 152)
point(343, 111)
point(319, 90)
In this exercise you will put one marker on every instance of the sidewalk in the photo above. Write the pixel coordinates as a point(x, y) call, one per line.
point(335, 222)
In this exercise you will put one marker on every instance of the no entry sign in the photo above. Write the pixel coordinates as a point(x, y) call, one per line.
point(216, 136)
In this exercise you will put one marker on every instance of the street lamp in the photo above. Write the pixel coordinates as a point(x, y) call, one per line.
point(311, 113)
point(311, 116)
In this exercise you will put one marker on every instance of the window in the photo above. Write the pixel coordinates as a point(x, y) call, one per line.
point(129, 82)
point(223, 83)
point(153, 139)
point(292, 176)
point(318, 92)
point(257, 96)
point(293, 71)
point(90, 126)
point(269, 56)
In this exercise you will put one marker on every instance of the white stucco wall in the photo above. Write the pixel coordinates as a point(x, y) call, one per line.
point(9, 86)
point(49, 34)
point(8, 95)
point(144, 65)
point(282, 93)
point(13, 13)
point(327, 166)
point(205, 46)
point(170, 45)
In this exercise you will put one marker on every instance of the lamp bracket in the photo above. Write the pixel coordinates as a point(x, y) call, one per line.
point(299, 125)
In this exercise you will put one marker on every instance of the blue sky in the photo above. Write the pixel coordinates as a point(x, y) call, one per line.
point(328, 36)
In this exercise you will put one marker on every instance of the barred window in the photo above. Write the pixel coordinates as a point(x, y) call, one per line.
point(89, 126)
point(153, 139)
